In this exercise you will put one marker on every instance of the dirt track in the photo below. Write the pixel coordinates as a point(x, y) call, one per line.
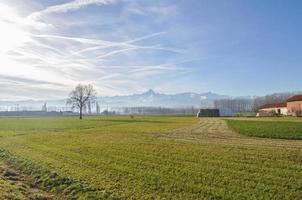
point(215, 130)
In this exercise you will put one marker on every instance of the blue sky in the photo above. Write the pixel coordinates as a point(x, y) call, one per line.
point(246, 47)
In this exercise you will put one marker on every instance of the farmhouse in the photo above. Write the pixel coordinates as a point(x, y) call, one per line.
point(273, 109)
point(294, 105)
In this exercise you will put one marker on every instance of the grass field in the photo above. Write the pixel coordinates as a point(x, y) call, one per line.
point(283, 129)
point(155, 157)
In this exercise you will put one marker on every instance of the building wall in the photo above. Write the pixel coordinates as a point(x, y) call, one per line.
point(283, 110)
point(294, 108)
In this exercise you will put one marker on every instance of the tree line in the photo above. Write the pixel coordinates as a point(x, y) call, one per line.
point(251, 104)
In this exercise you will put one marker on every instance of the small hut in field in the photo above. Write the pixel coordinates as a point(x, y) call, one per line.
point(208, 113)
point(215, 112)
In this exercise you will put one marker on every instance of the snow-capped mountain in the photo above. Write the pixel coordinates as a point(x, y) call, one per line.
point(152, 98)
point(148, 98)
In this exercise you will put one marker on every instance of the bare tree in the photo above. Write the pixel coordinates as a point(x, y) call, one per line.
point(270, 99)
point(236, 104)
point(81, 96)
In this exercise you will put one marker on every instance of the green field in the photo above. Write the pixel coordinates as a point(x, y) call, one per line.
point(166, 157)
point(282, 129)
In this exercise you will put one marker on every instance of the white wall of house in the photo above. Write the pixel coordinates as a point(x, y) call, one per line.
point(283, 110)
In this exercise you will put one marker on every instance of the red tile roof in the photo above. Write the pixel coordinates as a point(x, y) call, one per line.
point(273, 105)
point(295, 98)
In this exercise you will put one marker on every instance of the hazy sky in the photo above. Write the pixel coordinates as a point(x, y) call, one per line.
point(235, 47)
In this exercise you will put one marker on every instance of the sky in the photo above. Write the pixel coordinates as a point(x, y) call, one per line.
point(234, 47)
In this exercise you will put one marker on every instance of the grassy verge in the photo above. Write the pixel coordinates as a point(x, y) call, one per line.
point(267, 129)
point(9, 191)
point(51, 181)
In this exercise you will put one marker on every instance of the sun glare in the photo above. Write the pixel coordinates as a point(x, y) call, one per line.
point(12, 34)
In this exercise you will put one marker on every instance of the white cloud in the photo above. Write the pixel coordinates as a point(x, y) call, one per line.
point(145, 8)
point(70, 6)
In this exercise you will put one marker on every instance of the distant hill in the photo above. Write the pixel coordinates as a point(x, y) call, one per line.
point(148, 98)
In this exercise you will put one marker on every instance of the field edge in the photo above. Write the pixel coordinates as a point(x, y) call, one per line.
point(51, 181)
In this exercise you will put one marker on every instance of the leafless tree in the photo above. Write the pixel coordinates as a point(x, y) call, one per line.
point(81, 96)
point(236, 104)
point(270, 99)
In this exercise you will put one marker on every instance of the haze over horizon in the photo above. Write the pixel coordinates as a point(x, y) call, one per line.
point(122, 47)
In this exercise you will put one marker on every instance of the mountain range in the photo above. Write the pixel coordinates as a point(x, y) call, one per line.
point(148, 98)
point(152, 98)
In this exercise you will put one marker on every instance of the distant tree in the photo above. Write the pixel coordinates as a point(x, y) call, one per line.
point(236, 105)
point(81, 96)
point(270, 99)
